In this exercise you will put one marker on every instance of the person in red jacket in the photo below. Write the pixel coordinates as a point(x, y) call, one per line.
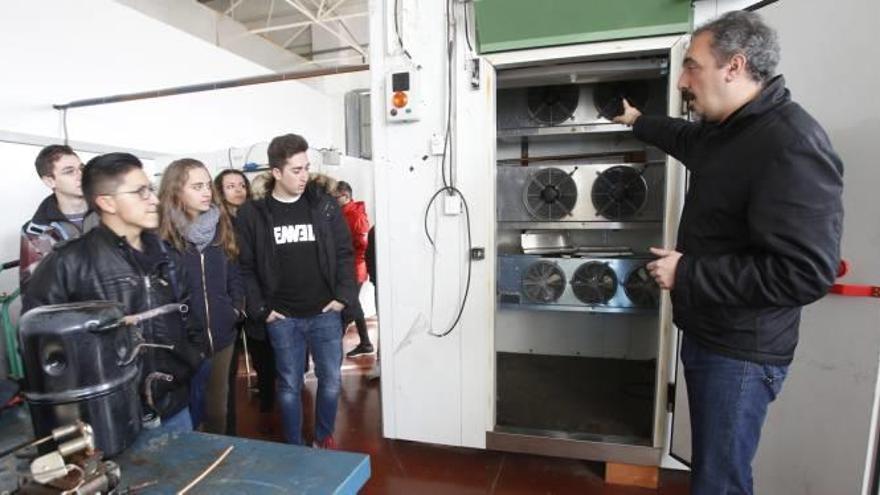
point(356, 217)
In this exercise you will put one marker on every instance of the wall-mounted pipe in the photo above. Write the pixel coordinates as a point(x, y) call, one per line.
point(230, 83)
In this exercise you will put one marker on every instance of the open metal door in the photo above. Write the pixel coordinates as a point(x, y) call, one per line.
point(820, 433)
point(680, 434)
point(680, 446)
point(677, 181)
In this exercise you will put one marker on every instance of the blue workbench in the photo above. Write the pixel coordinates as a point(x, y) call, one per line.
point(172, 460)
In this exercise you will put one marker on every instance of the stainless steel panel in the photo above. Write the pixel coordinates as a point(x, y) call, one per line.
point(542, 443)
point(583, 72)
point(513, 110)
point(598, 127)
point(512, 268)
point(572, 105)
point(512, 182)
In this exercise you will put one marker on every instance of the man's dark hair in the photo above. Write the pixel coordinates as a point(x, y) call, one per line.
point(283, 147)
point(103, 174)
point(744, 32)
point(47, 157)
point(343, 187)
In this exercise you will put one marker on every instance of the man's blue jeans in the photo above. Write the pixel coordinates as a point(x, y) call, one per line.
point(728, 401)
point(289, 337)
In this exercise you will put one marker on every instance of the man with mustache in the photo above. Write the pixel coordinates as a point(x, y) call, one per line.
point(122, 260)
point(759, 237)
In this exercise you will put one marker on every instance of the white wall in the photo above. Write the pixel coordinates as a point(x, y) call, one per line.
point(209, 120)
point(56, 51)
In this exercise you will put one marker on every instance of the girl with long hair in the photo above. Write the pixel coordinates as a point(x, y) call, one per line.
point(234, 189)
point(195, 223)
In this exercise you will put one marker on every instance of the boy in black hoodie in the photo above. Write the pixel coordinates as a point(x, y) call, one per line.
point(297, 265)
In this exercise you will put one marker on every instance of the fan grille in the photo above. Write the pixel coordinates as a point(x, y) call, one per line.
point(641, 289)
point(543, 282)
point(594, 282)
point(552, 105)
point(608, 97)
point(619, 192)
point(550, 194)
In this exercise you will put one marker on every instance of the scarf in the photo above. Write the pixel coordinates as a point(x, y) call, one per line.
point(201, 230)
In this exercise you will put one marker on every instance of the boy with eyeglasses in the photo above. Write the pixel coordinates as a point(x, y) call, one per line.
point(122, 260)
point(63, 215)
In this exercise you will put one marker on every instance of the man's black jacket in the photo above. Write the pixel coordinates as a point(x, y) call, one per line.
point(259, 267)
point(101, 266)
point(761, 225)
point(48, 227)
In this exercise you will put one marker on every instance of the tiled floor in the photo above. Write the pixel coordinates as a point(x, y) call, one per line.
point(401, 467)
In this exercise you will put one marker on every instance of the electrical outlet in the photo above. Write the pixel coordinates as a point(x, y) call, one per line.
point(451, 205)
point(436, 144)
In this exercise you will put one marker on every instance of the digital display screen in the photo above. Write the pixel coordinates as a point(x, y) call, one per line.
point(400, 81)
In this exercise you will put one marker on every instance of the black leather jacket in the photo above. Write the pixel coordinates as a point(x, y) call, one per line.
point(102, 266)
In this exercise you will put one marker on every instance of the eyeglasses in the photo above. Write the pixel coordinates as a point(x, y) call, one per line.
point(143, 192)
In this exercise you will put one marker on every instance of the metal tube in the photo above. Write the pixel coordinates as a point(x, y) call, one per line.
point(247, 361)
point(27, 443)
point(229, 83)
point(152, 313)
point(76, 445)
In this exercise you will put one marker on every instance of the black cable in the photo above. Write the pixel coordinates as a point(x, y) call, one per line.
point(229, 156)
point(759, 5)
point(7, 265)
point(397, 29)
point(467, 288)
point(450, 60)
point(449, 185)
point(467, 30)
point(428, 209)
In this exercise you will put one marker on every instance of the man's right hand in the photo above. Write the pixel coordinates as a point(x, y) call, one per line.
point(274, 316)
point(629, 115)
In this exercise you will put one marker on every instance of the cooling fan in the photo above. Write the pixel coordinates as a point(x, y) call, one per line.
point(619, 192)
point(543, 282)
point(550, 194)
point(594, 282)
point(552, 105)
point(608, 97)
point(641, 289)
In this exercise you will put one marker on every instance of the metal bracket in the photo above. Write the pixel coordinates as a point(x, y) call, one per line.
point(475, 73)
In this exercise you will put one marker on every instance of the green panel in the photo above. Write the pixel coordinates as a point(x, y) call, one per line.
point(515, 24)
